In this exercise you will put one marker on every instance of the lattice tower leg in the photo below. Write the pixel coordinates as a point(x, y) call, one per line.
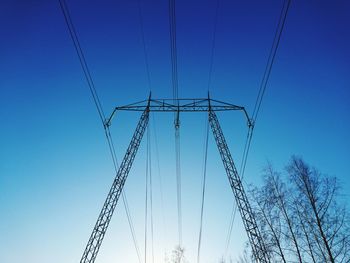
point(105, 216)
point(258, 247)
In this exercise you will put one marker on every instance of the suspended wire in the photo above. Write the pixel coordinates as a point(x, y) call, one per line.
point(262, 89)
point(271, 58)
point(178, 184)
point(148, 165)
point(213, 44)
point(207, 135)
point(160, 180)
point(228, 237)
point(241, 172)
point(97, 102)
point(125, 200)
point(82, 59)
point(144, 44)
point(111, 148)
point(146, 196)
point(173, 47)
point(174, 75)
point(131, 225)
point(263, 85)
point(207, 131)
point(150, 189)
point(246, 151)
point(149, 196)
point(205, 158)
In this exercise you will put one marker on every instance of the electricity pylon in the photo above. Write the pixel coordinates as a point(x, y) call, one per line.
point(180, 105)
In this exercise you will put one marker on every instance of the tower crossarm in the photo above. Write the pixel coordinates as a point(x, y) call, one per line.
point(106, 213)
point(251, 227)
point(179, 105)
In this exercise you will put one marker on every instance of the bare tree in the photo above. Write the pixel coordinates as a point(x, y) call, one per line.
point(177, 255)
point(302, 221)
point(281, 195)
point(306, 236)
point(269, 217)
point(326, 221)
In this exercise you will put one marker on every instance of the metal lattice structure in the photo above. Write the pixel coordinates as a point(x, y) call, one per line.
point(180, 105)
point(250, 225)
point(108, 208)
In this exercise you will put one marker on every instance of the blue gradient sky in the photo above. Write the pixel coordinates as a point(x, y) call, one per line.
point(55, 168)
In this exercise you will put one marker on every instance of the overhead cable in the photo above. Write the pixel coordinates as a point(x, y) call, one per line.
point(213, 44)
point(160, 182)
point(82, 59)
point(173, 47)
point(150, 188)
point(178, 183)
point(146, 196)
point(262, 89)
point(97, 102)
point(205, 158)
point(174, 75)
point(144, 45)
point(271, 58)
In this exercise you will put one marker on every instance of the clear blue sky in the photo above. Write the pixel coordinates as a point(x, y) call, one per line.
point(55, 168)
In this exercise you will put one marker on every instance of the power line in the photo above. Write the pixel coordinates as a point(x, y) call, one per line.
point(262, 89)
point(246, 151)
point(149, 196)
point(178, 183)
point(213, 44)
point(173, 51)
point(144, 45)
point(207, 132)
point(263, 85)
point(124, 198)
point(146, 198)
point(241, 172)
point(82, 59)
point(173, 47)
point(160, 181)
point(97, 102)
point(271, 58)
point(228, 236)
point(151, 188)
point(205, 158)
point(131, 225)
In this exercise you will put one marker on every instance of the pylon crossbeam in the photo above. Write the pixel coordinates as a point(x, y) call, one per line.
point(108, 208)
point(255, 239)
point(179, 105)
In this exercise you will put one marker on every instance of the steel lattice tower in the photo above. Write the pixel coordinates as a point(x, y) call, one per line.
point(180, 105)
